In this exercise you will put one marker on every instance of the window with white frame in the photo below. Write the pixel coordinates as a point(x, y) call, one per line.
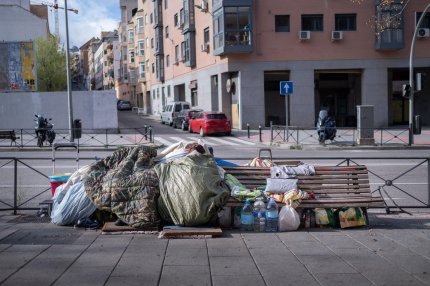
point(141, 70)
point(132, 75)
point(130, 36)
point(141, 48)
point(131, 55)
point(139, 26)
point(167, 32)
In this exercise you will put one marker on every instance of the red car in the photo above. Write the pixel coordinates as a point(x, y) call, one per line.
point(210, 122)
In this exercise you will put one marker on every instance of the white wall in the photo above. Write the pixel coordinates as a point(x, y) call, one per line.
point(96, 109)
point(19, 25)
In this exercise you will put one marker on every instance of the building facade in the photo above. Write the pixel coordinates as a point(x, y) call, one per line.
point(20, 25)
point(232, 55)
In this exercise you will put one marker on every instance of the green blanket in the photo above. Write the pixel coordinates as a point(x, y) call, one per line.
point(191, 190)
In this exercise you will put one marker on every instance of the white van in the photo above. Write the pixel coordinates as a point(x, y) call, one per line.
point(172, 109)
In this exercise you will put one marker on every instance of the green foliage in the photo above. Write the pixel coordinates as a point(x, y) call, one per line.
point(51, 65)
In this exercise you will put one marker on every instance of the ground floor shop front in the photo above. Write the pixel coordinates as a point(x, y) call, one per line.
point(249, 93)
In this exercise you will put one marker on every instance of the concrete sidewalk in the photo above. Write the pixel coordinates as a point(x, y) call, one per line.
point(395, 250)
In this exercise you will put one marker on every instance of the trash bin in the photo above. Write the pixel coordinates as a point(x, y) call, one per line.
point(417, 124)
point(57, 180)
point(77, 128)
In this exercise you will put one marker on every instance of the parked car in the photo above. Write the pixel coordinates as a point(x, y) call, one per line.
point(183, 117)
point(124, 105)
point(171, 110)
point(210, 122)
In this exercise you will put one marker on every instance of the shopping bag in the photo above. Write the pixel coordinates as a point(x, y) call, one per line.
point(289, 219)
point(351, 217)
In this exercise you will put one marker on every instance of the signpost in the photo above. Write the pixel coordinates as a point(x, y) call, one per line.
point(286, 88)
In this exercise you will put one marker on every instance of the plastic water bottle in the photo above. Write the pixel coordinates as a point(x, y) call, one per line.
point(272, 216)
point(259, 215)
point(246, 218)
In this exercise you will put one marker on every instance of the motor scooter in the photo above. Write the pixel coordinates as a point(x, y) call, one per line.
point(326, 127)
point(44, 130)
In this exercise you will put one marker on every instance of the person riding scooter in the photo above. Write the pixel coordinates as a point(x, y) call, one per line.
point(326, 126)
point(44, 130)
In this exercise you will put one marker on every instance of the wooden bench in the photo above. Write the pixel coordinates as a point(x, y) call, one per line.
point(333, 187)
point(9, 134)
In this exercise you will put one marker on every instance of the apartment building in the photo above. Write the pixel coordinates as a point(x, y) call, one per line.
point(232, 55)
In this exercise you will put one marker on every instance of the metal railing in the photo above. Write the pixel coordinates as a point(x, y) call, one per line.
point(89, 137)
point(400, 189)
point(344, 136)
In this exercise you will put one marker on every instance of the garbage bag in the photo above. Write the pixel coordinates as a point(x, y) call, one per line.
point(324, 217)
point(289, 219)
point(351, 217)
point(191, 190)
point(71, 204)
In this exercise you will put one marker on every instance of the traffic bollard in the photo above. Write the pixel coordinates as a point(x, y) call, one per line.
point(247, 127)
point(259, 130)
point(150, 134)
point(146, 132)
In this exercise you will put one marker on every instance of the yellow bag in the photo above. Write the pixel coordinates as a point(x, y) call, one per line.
point(351, 217)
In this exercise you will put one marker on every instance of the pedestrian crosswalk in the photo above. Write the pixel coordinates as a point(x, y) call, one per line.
point(210, 141)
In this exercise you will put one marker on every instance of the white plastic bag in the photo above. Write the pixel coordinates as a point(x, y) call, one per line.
point(288, 219)
point(71, 204)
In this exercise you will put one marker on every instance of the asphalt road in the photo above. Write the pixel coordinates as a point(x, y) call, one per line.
point(406, 171)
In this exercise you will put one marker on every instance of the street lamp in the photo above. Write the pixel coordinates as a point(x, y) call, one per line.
point(411, 77)
point(69, 82)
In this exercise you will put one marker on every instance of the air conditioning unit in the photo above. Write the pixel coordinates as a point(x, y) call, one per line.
point(204, 6)
point(423, 33)
point(205, 47)
point(304, 35)
point(336, 35)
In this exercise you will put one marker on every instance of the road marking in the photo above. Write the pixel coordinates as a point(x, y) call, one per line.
point(178, 139)
point(207, 142)
point(163, 141)
point(223, 141)
point(241, 141)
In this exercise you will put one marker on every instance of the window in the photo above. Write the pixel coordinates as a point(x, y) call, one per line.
point(147, 65)
point(167, 32)
point(165, 4)
point(152, 43)
point(132, 75)
point(183, 51)
point(153, 68)
point(139, 26)
point(233, 28)
point(312, 22)
point(168, 91)
point(282, 23)
point(141, 70)
point(146, 19)
point(130, 36)
point(167, 60)
point(151, 18)
point(177, 53)
point(125, 71)
point(194, 98)
point(206, 35)
point(131, 55)
point(426, 21)
point(147, 42)
point(141, 48)
point(176, 20)
point(345, 22)
point(390, 34)
point(186, 54)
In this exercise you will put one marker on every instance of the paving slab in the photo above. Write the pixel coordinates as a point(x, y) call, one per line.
point(186, 256)
point(238, 280)
point(342, 279)
point(185, 275)
point(326, 264)
point(221, 265)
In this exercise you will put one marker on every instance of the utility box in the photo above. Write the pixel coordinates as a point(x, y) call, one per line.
point(365, 125)
point(417, 125)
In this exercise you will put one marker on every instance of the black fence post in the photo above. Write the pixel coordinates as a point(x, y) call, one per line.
point(146, 132)
point(259, 130)
point(150, 134)
point(247, 127)
point(15, 186)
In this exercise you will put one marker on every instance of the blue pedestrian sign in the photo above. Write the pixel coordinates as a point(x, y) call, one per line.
point(286, 87)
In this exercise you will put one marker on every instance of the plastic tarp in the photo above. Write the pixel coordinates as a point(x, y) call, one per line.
point(191, 190)
point(70, 202)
